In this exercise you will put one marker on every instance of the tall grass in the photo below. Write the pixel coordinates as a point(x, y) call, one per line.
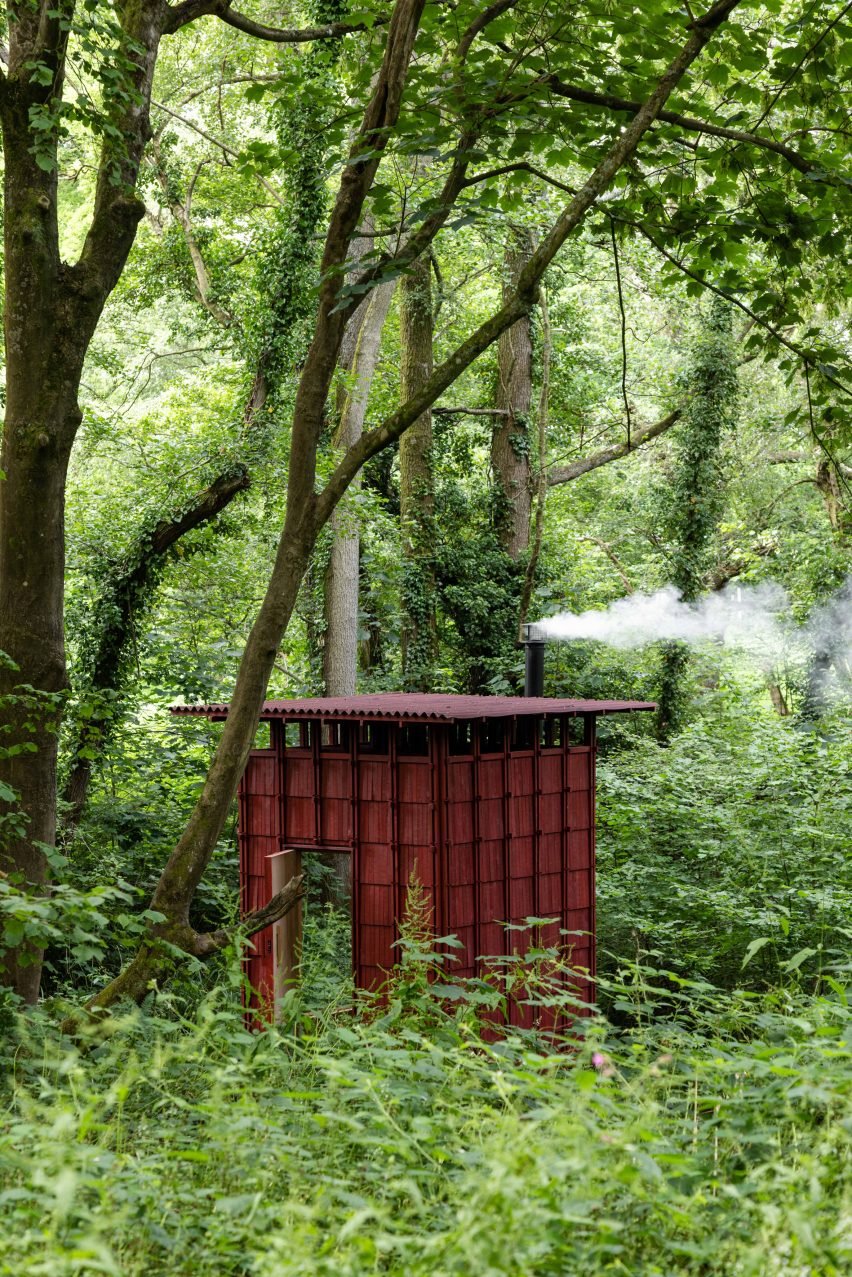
point(710, 1137)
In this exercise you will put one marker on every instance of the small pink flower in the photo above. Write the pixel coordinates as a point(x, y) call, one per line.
point(598, 1060)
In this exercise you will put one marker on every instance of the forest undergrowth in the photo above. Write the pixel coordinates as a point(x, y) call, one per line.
point(697, 1122)
point(710, 1136)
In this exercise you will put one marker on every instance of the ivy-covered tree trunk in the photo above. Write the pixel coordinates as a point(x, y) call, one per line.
point(124, 598)
point(416, 485)
point(510, 441)
point(697, 486)
point(51, 311)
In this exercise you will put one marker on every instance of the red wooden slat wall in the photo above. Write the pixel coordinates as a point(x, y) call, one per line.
point(496, 835)
point(520, 844)
point(396, 836)
point(259, 838)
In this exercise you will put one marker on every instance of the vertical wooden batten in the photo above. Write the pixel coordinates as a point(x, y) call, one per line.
point(287, 932)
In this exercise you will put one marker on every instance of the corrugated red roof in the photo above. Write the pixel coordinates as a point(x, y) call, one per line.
point(422, 707)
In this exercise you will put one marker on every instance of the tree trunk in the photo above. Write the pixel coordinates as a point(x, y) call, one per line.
point(541, 479)
point(359, 356)
point(696, 491)
point(416, 484)
point(51, 310)
point(41, 419)
point(31, 634)
point(510, 440)
point(123, 601)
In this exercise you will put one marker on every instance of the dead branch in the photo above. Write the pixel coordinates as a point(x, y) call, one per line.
point(206, 943)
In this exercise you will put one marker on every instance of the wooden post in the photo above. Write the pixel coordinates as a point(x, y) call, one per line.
point(287, 932)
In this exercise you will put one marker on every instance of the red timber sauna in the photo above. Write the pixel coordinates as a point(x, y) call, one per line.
point(490, 800)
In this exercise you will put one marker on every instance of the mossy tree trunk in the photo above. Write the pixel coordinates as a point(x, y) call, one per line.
point(51, 311)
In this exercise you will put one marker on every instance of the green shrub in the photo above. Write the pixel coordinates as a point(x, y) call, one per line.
point(397, 1140)
point(731, 845)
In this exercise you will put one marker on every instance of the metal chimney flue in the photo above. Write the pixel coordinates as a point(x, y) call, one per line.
point(534, 641)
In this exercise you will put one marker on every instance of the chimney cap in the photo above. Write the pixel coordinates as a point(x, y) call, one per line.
point(534, 632)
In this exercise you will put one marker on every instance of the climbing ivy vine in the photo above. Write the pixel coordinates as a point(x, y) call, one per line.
point(695, 493)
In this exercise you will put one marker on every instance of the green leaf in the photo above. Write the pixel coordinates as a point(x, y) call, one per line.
point(754, 947)
point(797, 959)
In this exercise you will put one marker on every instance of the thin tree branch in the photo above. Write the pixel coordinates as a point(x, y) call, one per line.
point(226, 82)
point(565, 474)
point(471, 412)
point(541, 484)
point(610, 102)
point(808, 358)
point(223, 147)
point(520, 166)
point(206, 943)
point(182, 213)
point(606, 548)
point(838, 17)
point(814, 432)
point(181, 15)
point(479, 24)
point(623, 330)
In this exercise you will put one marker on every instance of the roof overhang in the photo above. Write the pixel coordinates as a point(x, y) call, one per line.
point(419, 707)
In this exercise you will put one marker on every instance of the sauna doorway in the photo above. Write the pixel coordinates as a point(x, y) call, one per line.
point(312, 944)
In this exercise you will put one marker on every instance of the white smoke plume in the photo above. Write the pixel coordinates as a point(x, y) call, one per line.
point(755, 618)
